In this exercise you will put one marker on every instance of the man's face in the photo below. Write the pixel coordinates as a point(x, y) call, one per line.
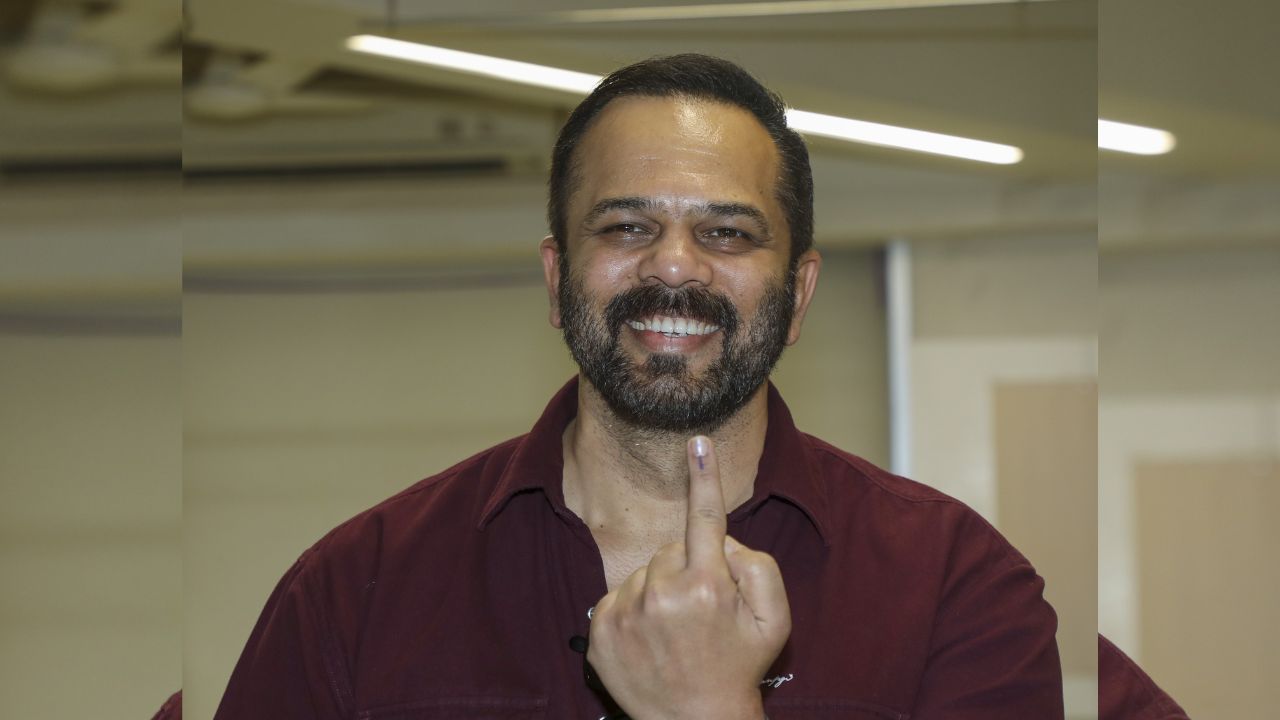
point(676, 297)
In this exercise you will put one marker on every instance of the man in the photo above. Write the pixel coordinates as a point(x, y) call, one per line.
point(664, 543)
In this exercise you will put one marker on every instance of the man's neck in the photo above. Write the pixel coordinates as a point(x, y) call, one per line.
point(631, 484)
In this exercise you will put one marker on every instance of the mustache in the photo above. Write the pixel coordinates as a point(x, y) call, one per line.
point(649, 300)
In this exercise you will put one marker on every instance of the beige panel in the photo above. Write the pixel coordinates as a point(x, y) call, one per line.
point(1047, 468)
point(1209, 583)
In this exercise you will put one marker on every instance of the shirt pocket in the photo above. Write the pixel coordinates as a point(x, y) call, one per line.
point(830, 709)
point(486, 707)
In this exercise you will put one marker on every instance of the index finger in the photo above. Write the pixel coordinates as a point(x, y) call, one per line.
point(706, 521)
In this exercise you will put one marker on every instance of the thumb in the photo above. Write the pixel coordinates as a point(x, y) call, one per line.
point(760, 585)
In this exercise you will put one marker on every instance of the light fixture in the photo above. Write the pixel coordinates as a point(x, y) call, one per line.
point(1134, 139)
point(892, 136)
point(476, 64)
point(684, 13)
point(811, 123)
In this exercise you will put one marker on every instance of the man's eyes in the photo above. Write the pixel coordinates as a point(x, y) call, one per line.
point(728, 233)
point(720, 233)
point(626, 229)
point(717, 237)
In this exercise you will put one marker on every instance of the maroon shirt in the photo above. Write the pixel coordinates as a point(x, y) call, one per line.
point(172, 708)
point(1125, 692)
point(457, 598)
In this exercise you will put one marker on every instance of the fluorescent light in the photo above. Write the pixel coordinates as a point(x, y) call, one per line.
point(582, 83)
point(904, 138)
point(716, 11)
point(1134, 138)
point(510, 70)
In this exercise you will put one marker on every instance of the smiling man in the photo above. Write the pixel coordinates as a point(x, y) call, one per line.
point(664, 543)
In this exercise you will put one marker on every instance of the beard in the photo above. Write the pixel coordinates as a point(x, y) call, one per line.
point(662, 393)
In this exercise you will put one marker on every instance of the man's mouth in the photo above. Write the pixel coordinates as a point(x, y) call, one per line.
point(673, 327)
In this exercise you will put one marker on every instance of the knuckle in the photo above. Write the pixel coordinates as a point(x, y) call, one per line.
point(704, 593)
point(623, 621)
point(761, 564)
point(709, 514)
point(657, 597)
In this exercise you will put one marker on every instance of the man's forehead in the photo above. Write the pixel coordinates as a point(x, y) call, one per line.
point(676, 147)
point(705, 124)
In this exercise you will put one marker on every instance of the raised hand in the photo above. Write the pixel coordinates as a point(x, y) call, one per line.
point(691, 635)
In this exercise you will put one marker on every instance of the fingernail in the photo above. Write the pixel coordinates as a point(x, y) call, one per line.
point(701, 446)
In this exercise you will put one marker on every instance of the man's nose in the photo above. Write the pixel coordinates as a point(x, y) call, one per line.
point(676, 259)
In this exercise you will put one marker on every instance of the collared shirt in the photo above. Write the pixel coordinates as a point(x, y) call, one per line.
point(458, 597)
point(1125, 692)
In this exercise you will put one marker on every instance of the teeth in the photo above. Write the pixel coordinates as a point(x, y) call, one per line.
point(673, 327)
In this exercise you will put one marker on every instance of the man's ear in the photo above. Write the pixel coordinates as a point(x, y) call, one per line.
point(807, 267)
point(550, 251)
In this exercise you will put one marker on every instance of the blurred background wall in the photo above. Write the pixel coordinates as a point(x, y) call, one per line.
point(1189, 408)
point(90, 359)
point(90, 449)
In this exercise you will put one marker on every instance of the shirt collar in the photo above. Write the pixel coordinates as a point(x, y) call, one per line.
point(786, 472)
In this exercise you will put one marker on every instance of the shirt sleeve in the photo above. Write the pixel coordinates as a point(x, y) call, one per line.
point(292, 666)
point(1126, 692)
point(172, 708)
point(993, 653)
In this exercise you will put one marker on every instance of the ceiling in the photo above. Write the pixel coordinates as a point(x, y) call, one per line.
point(287, 97)
point(1203, 69)
point(1032, 74)
point(1018, 73)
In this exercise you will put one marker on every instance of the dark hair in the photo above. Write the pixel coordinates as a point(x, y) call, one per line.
point(695, 76)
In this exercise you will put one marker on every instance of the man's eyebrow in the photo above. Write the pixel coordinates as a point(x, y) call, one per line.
point(715, 209)
point(617, 203)
point(734, 209)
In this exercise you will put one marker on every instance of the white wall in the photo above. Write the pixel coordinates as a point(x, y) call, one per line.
point(90, 525)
